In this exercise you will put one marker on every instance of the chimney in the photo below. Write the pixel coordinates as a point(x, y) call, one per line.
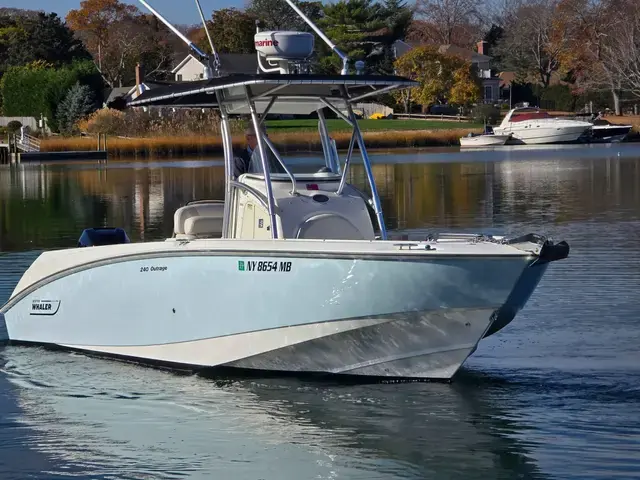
point(139, 78)
point(483, 47)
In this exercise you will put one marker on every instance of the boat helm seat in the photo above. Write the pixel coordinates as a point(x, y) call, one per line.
point(203, 227)
point(198, 220)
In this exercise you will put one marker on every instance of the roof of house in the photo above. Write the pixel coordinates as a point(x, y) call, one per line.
point(403, 47)
point(116, 93)
point(120, 93)
point(183, 62)
point(464, 53)
point(229, 63)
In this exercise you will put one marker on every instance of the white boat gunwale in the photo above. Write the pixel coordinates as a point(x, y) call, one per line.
point(425, 252)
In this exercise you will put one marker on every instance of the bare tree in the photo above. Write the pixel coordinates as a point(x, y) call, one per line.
point(448, 22)
point(595, 45)
point(623, 45)
point(532, 45)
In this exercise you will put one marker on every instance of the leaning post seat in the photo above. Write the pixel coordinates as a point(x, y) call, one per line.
point(199, 220)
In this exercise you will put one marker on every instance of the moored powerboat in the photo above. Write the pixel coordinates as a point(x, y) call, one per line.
point(488, 138)
point(291, 272)
point(603, 131)
point(533, 126)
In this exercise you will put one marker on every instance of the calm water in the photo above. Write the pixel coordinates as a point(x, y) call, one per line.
point(555, 395)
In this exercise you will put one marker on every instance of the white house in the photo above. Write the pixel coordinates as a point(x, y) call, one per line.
point(188, 70)
point(480, 59)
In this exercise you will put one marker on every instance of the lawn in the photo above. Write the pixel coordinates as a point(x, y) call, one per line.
point(366, 125)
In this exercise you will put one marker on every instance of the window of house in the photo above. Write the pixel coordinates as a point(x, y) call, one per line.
point(179, 77)
point(488, 92)
point(202, 75)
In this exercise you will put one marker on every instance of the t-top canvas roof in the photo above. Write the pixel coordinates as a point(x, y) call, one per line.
point(295, 93)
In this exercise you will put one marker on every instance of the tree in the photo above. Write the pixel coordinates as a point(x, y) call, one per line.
point(465, 87)
point(531, 46)
point(356, 26)
point(278, 14)
point(624, 45)
point(76, 105)
point(441, 77)
point(29, 38)
point(448, 22)
point(38, 88)
point(232, 31)
point(119, 36)
point(598, 50)
point(397, 17)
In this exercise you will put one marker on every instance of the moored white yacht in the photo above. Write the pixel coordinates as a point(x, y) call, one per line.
point(290, 273)
point(533, 126)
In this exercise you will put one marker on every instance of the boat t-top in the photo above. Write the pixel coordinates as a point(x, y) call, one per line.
point(290, 272)
point(532, 126)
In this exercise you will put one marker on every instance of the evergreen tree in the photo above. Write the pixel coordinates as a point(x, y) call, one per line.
point(77, 104)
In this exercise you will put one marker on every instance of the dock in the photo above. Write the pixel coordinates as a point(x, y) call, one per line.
point(89, 155)
point(26, 149)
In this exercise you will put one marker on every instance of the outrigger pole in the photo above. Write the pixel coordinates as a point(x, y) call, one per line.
point(332, 46)
point(212, 65)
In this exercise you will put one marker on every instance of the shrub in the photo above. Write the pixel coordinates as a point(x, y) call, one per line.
point(13, 126)
point(155, 123)
point(105, 120)
point(37, 88)
point(484, 112)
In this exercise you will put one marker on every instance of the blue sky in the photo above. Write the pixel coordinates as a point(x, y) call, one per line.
point(176, 11)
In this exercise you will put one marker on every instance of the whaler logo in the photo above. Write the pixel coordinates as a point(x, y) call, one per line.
point(45, 307)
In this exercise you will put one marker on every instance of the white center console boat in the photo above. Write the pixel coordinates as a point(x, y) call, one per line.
point(290, 273)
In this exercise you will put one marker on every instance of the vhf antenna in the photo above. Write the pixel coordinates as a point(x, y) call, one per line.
point(212, 63)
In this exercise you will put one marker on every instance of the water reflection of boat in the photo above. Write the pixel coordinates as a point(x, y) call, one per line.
point(139, 421)
point(298, 271)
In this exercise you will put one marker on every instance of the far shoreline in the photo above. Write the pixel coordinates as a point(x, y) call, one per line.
point(287, 143)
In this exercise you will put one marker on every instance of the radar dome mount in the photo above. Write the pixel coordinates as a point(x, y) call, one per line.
point(282, 51)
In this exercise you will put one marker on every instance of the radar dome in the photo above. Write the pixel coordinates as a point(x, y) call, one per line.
point(284, 45)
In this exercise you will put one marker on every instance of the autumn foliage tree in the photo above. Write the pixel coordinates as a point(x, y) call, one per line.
point(597, 45)
point(231, 30)
point(442, 78)
point(118, 36)
point(532, 44)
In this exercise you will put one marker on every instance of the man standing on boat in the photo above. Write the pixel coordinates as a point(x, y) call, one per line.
point(248, 160)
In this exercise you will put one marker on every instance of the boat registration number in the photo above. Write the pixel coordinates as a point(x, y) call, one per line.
point(263, 266)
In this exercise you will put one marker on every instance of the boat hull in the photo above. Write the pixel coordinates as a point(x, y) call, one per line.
point(609, 134)
point(484, 140)
point(418, 318)
point(543, 135)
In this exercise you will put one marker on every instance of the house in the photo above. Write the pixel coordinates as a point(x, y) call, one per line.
point(191, 69)
point(119, 96)
point(480, 60)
